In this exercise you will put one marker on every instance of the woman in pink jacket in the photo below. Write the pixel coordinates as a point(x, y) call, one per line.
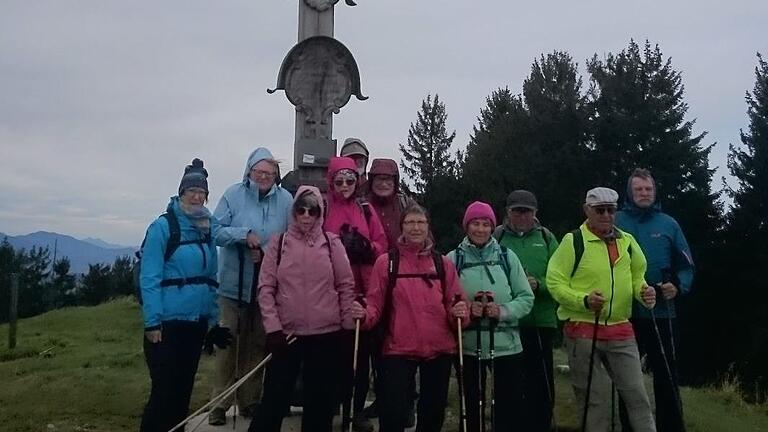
point(306, 289)
point(364, 239)
point(416, 294)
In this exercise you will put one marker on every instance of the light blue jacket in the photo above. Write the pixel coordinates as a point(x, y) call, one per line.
point(241, 210)
point(665, 248)
point(482, 271)
point(190, 302)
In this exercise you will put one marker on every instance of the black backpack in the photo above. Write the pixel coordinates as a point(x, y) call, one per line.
point(174, 241)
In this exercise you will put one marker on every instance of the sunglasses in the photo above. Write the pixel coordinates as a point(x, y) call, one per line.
point(348, 182)
point(314, 211)
point(603, 210)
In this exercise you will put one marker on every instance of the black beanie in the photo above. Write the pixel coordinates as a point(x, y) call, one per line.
point(194, 176)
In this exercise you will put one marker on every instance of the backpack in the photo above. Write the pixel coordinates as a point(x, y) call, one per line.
point(503, 261)
point(393, 274)
point(545, 233)
point(173, 243)
point(578, 249)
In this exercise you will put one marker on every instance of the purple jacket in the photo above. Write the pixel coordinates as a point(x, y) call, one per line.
point(312, 290)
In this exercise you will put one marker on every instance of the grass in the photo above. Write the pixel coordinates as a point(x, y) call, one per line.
point(82, 369)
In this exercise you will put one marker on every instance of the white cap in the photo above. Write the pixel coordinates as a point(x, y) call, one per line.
point(601, 196)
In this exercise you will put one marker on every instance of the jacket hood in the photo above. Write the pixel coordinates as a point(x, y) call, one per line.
point(337, 164)
point(632, 208)
point(292, 224)
point(255, 157)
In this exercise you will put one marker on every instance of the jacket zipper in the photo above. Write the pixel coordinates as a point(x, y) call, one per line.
point(610, 304)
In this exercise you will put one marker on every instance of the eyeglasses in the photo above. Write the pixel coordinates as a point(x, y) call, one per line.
point(195, 192)
point(348, 182)
point(412, 223)
point(384, 178)
point(263, 174)
point(312, 211)
point(603, 210)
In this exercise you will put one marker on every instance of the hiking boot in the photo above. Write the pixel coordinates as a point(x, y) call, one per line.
point(217, 417)
point(361, 423)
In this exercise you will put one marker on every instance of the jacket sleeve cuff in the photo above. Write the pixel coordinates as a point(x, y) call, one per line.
point(152, 328)
point(586, 302)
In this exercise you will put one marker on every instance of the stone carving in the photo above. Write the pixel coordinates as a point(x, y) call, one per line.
point(319, 75)
point(321, 5)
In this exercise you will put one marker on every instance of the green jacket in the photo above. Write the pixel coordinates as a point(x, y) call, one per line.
point(533, 248)
point(619, 284)
point(515, 301)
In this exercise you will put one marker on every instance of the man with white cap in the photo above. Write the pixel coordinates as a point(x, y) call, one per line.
point(595, 274)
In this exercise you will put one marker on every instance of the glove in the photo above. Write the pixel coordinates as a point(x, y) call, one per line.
point(276, 342)
point(219, 336)
point(358, 247)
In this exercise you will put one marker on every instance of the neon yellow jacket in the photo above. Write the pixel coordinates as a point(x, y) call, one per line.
point(619, 284)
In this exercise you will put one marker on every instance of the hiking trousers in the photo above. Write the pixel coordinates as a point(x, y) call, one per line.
point(538, 381)
point(669, 416)
point(172, 365)
point(395, 402)
point(507, 388)
point(251, 352)
point(318, 358)
point(619, 361)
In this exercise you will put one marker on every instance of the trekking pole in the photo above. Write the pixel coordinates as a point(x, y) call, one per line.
point(361, 300)
point(491, 347)
point(231, 389)
point(675, 389)
point(240, 286)
point(480, 296)
point(589, 375)
point(666, 277)
point(545, 369)
point(460, 376)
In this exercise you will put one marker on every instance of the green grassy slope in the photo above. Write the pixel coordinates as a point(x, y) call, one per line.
point(93, 378)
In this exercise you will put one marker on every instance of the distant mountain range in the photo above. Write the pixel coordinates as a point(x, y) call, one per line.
point(80, 252)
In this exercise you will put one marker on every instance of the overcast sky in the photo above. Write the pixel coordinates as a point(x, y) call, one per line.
point(103, 102)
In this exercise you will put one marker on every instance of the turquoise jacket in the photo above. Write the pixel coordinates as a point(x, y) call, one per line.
point(240, 210)
point(515, 301)
point(190, 302)
point(665, 248)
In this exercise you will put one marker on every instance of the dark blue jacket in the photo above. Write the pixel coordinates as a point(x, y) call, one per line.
point(665, 248)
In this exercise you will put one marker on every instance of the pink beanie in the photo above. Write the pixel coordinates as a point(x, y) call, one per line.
point(479, 210)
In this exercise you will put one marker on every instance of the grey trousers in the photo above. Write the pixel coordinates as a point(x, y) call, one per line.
point(251, 352)
point(614, 360)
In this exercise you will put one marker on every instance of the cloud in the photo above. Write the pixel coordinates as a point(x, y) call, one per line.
point(104, 103)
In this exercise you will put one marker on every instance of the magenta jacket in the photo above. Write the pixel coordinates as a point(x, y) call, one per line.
point(420, 324)
point(349, 211)
point(312, 290)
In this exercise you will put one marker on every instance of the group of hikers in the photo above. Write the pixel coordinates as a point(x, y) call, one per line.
point(344, 286)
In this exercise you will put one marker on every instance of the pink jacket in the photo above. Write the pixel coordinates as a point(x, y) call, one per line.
point(349, 211)
point(420, 324)
point(312, 290)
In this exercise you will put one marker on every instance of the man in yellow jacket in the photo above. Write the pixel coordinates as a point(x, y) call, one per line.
point(594, 274)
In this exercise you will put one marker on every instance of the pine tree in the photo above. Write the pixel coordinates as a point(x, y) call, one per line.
point(747, 236)
point(426, 156)
point(63, 283)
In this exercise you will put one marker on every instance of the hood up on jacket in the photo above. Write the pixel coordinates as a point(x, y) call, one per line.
point(385, 167)
point(255, 157)
point(632, 208)
point(317, 228)
point(334, 166)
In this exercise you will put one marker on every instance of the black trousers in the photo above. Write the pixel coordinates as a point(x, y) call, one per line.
point(398, 374)
point(669, 414)
point(538, 381)
point(318, 357)
point(172, 366)
point(508, 392)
